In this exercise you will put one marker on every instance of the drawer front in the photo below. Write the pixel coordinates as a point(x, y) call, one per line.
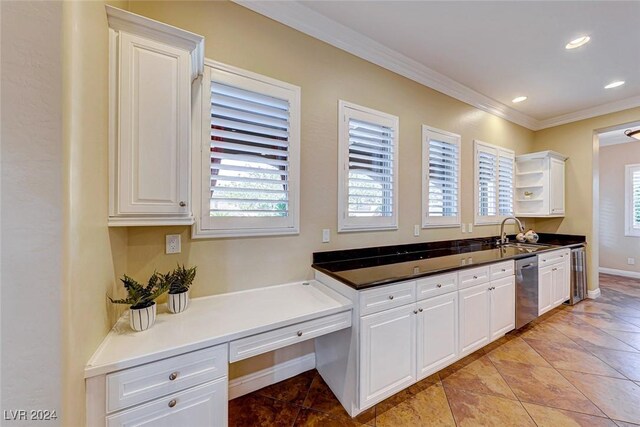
point(278, 338)
point(553, 257)
point(386, 297)
point(473, 277)
point(142, 383)
point(502, 269)
point(436, 285)
point(203, 405)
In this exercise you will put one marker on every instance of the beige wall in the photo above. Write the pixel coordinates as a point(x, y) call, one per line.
point(32, 206)
point(615, 247)
point(95, 255)
point(576, 141)
point(242, 38)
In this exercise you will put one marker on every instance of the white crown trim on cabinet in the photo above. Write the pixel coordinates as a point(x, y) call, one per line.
point(303, 19)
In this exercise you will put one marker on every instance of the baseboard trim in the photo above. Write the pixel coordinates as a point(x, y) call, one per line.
point(623, 273)
point(593, 294)
point(281, 371)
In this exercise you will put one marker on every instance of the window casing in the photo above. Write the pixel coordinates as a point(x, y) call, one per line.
point(440, 178)
point(250, 154)
point(367, 170)
point(494, 183)
point(632, 200)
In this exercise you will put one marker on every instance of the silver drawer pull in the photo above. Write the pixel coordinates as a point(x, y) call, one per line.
point(420, 310)
point(475, 277)
point(504, 269)
point(172, 403)
point(182, 204)
point(415, 311)
point(299, 333)
point(438, 285)
point(173, 376)
point(390, 296)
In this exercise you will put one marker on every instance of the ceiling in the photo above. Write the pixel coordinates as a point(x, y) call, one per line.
point(487, 53)
point(616, 135)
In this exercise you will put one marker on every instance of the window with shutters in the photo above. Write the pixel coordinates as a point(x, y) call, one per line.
point(632, 200)
point(252, 144)
point(367, 172)
point(494, 181)
point(440, 178)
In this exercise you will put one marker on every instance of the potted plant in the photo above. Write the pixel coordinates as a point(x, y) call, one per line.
point(180, 280)
point(142, 313)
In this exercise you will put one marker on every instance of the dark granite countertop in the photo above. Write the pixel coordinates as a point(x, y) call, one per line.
point(369, 267)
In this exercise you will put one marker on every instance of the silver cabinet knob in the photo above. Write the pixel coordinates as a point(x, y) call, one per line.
point(182, 204)
point(415, 311)
point(420, 310)
point(172, 403)
point(299, 333)
point(438, 285)
point(173, 376)
point(504, 269)
point(390, 296)
point(475, 277)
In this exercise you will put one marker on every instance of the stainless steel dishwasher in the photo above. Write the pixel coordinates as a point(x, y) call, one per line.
point(526, 290)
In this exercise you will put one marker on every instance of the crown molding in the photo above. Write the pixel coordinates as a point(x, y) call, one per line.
point(305, 20)
point(320, 27)
point(610, 107)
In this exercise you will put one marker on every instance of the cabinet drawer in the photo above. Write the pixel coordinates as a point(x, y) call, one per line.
point(473, 276)
point(553, 257)
point(436, 285)
point(142, 383)
point(502, 269)
point(278, 338)
point(386, 297)
point(204, 405)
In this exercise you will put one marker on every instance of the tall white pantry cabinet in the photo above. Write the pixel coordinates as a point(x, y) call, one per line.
point(151, 69)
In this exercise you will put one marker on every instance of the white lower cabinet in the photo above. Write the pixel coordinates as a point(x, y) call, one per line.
point(503, 306)
point(561, 283)
point(387, 353)
point(204, 405)
point(474, 318)
point(554, 280)
point(545, 289)
point(437, 333)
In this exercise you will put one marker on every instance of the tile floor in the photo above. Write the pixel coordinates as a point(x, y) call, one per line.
point(576, 366)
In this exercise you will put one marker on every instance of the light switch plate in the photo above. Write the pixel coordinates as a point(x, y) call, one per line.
point(416, 230)
point(470, 228)
point(463, 228)
point(173, 244)
point(631, 261)
point(326, 235)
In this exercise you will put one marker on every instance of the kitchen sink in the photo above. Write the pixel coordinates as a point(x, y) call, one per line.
point(525, 247)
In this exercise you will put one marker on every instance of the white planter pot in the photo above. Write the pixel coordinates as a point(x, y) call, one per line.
point(142, 319)
point(177, 303)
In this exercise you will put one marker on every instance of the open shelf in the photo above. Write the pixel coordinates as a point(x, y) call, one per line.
point(529, 186)
point(529, 173)
point(529, 200)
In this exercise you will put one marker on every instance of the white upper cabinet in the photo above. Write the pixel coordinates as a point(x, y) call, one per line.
point(540, 184)
point(152, 66)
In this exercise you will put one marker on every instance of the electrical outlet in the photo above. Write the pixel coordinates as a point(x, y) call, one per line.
point(416, 230)
point(173, 245)
point(470, 227)
point(631, 261)
point(326, 235)
point(463, 228)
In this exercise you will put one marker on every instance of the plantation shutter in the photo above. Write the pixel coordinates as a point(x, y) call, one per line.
point(250, 153)
point(505, 183)
point(495, 183)
point(487, 181)
point(635, 185)
point(443, 178)
point(370, 184)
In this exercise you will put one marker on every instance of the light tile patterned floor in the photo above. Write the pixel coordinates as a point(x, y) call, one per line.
point(576, 366)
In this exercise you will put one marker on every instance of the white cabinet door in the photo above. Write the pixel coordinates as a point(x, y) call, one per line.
point(556, 186)
point(561, 284)
point(387, 353)
point(503, 306)
point(474, 318)
point(152, 158)
point(204, 405)
point(545, 289)
point(437, 330)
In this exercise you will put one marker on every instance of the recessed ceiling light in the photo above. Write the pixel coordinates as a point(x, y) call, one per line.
point(519, 99)
point(614, 84)
point(580, 41)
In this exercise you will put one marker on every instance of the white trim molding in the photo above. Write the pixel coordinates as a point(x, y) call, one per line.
point(271, 375)
point(310, 22)
point(616, 272)
point(593, 294)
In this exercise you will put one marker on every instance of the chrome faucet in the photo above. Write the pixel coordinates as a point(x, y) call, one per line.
point(503, 234)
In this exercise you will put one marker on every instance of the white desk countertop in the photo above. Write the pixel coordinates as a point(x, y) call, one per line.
point(213, 320)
